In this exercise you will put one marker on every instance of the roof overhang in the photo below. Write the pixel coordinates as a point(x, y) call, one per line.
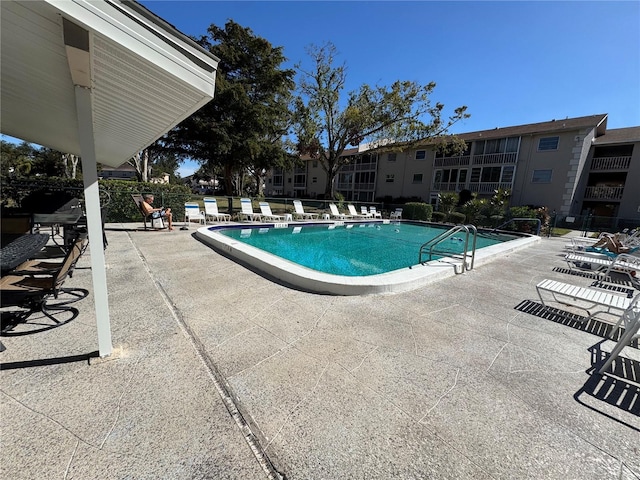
point(144, 76)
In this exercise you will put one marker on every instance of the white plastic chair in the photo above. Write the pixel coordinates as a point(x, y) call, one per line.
point(267, 214)
point(247, 212)
point(631, 321)
point(300, 213)
point(211, 210)
point(396, 214)
point(192, 212)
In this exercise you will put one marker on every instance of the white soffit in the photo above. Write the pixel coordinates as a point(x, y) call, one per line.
point(145, 76)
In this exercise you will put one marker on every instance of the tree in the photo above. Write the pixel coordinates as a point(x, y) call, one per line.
point(242, 128)
point(70, 164)
point(140, 161)
point(389, 118)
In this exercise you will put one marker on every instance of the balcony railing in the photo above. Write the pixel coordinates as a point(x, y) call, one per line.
point(611, 163)
point(493, 158)
point(483, 188)
point(452, 161)
point(489, 187)
point(300, 185)
point(448, 186)
point(603, 193)
point(364, 186)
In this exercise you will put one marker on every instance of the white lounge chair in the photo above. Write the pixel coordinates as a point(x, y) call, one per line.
point(396, 214)
point(602, 264)
point(192, 213)
point(246, 211)
point(211, 210)
point(300, 213)
point(353, 212)
point(630, 319)
point(374, 212)
point(267, 214)
point(585, 298)
point(365, 213)
point(336, 214)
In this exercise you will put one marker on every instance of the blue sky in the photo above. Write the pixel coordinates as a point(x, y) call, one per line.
point(510, 62)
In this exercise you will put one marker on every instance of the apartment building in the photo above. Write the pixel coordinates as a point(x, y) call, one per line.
point(574, 166)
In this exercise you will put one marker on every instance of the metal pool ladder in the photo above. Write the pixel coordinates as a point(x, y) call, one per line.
point(437, 246)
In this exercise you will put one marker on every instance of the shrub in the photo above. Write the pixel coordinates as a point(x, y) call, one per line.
point(456, 217)
point(438, 217)
point(417, 211)
point(122, 209)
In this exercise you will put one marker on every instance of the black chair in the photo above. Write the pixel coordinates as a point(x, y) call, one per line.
point(32, 292)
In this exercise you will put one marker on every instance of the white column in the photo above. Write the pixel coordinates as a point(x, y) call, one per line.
point(94, 218)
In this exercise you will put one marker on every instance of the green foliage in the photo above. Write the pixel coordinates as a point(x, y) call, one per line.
point(417, 211)
point(243, 127)
point(456, 217)
point(121, 207)
point(447, 202)
point(438, 216)
point(381, 116)
point(473, 210)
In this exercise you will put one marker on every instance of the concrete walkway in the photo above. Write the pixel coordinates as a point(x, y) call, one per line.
point(219, 373)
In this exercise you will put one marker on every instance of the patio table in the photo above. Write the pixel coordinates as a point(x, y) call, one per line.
point(21, 249)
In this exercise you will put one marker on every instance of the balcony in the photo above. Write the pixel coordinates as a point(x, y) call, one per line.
point(603, 193)
point(452, 161)
point(300, 185)
point(611, 163)
point(489, 187)
point(364, 186)
point(448, 186)
point(495, 158)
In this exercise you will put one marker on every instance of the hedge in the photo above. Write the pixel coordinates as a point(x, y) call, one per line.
point(417, 211)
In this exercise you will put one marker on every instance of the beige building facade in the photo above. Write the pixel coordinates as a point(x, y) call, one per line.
point(573, 166)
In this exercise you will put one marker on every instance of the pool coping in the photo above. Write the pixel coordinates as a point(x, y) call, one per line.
point(303, 278)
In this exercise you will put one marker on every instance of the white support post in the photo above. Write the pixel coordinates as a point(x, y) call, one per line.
point(94, 218)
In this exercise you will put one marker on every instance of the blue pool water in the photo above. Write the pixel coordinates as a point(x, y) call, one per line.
point(350, 250)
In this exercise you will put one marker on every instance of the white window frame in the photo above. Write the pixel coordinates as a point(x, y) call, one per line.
point(391, 177)
point(421, 155)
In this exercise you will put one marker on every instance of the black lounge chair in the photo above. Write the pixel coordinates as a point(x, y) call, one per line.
point(32, 292)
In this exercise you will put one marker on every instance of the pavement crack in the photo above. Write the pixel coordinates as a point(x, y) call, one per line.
point(53, 420)
point(455, 382)
point(286, 420)
point(118, 405)
point(73, 454)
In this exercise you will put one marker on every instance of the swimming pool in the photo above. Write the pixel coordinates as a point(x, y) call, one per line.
point(346, 258)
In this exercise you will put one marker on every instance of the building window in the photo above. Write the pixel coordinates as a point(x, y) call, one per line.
point(421, 154)
point(314, 180)
point(390, 178)
point(391, 157)
point(548, 143)
point(541, 176)
point(507, 174)
point(417, 178)
point(315, 164)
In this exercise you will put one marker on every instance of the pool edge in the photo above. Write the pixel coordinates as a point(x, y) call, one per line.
point(309, 280)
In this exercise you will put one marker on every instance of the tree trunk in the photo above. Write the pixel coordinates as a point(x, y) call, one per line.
point(70, 165)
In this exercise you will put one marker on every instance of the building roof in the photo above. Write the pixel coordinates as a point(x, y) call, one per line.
point(599, 121)
point(619, 135)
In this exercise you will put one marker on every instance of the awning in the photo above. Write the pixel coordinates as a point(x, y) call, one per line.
point(101, 80)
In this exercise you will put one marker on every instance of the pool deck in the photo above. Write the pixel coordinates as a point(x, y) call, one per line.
point(220, 373)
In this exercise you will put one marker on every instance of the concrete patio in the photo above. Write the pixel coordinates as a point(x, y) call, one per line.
point(220, 373)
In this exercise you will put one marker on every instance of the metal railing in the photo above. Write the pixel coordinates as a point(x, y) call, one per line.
point(437, 246)
point(603, 193)
point(611, 163)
